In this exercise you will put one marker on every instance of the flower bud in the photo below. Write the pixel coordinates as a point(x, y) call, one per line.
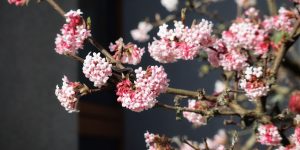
point(294, 103)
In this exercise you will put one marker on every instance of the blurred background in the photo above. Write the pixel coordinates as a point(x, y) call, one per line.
point(31, 117)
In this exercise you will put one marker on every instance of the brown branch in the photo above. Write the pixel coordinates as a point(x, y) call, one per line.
point(75, 57)
point(192, 94)
point(56, 7)
point(191, 145)
point(203, 112)
point(272, 7)
point(284, 48)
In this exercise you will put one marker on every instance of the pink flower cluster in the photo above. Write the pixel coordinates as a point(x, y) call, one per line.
point(246, 35)
point(126, 53)
point(73, 34)
point(253, 84)
point(147, 86)
point(67, 94)
point(284, 21)
point(196, 119)
point(97, 69)
point(229, 59)
point(141, 33)
point(17, 2)
point(150, 140)
point(181, 42)
point(268, 135)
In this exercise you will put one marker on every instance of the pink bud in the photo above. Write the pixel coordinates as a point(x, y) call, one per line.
point(294, 103)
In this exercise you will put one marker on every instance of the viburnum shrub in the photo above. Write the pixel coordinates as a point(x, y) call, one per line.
point(249, 50)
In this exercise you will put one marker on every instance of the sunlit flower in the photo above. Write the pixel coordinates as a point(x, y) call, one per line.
point(181, 42)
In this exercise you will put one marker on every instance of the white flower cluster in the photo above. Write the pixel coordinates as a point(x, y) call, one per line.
point(97, 69)
point(253, 84)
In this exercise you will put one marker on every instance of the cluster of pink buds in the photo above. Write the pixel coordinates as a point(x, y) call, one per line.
point(229, 59)
point(181, 42)
point(244, 34)
point(253, 84)
point(142, 94)
point(284, 21)
point(195, 118)
point(97, 69)
point(73, 34)
point(126, 53)
point(67, 94)
point(156, 142)
point(17, 2)
point(268, 134)
point(294, 102)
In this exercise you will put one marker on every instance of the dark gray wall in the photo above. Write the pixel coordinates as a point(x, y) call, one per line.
point(30, 115)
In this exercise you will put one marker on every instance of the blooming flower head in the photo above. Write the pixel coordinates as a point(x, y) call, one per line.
point(253, 84)
point(170, 5)
point(284, 21)
point(233, 60)
point(196, 119)
point(181, 42)
point(156, 142)
point(73, 34)
point(268, 135)
point(129, 53)
point(141, 95)
point(246, 35)
point(141, 33)
point(67, 94)
point(97, 69)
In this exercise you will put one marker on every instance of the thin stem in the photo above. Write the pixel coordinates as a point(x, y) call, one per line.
point(220, 111)
point(56, 7)
point(272, 7)
point(284, 48)
point(191, 145)
point(75, 57)
point(188, 93)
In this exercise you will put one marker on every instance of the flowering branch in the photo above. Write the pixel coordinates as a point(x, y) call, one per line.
point(244, 51)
